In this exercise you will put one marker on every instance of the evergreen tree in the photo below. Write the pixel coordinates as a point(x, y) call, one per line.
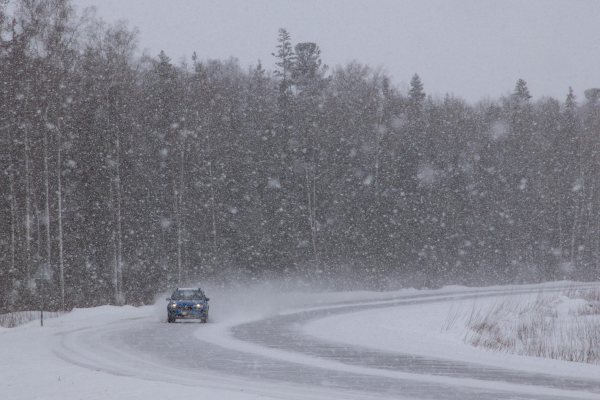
point(570, 102)
point(521, 93)
point(416, 96)
point(285, 64)
point(307, 68)
point(308, 76)
point(592, 95)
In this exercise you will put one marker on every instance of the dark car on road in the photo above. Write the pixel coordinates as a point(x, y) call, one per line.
point(187, 303)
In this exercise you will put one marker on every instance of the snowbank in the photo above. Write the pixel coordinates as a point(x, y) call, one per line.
point(425, 330)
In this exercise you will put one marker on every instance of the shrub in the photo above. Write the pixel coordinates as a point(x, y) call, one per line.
point(562, 325)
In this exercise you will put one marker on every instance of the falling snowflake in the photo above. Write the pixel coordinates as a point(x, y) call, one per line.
point(523, 184)
point(274, 183)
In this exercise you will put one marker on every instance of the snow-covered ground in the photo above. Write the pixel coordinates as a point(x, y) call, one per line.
point(31, 370)
point(34, 366)
point(420, 330)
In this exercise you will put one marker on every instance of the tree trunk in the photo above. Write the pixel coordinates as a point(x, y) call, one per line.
point(47, 201)
point(311, 194)
point(27, 199)
point(179, 219)
point(176, 214)
point(115, 244)
point(120, 299)
point(576, 222)
point(60, 220)
point(13, 211)
point(212, 199)
point(115, 188)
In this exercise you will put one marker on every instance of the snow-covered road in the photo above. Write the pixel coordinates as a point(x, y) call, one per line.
point(311, 347)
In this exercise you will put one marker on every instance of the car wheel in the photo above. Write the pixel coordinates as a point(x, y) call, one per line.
point(204, 319)
point(170, 319)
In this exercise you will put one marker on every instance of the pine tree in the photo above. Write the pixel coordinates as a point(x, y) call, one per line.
point(308, 76)
point(286, 57)
point(307, 68)
point(521, 94)
point(416, 95)
point(416, 123)
point(570, 102)
point(592, 95)
point(285, 67)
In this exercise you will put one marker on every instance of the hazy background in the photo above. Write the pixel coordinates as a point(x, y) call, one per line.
point(471, 48)
point(125, 175)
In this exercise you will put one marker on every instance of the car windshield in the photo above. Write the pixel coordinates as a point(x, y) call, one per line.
point(187, 295)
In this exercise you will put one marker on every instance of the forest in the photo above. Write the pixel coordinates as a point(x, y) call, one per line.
point(124, 174)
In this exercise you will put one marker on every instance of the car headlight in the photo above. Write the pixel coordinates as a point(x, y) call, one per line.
point(199, 305)
point(174, 305)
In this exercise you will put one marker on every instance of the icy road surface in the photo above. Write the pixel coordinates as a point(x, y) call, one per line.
point(273, 356)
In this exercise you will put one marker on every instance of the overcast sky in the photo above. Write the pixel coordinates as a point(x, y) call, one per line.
point(471, 48)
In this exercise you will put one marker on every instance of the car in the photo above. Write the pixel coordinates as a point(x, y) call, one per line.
point(187, 303)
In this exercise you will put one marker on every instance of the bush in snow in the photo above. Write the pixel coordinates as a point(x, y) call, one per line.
point(563, 325)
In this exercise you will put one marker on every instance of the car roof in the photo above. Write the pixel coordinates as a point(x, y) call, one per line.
point(194, 288)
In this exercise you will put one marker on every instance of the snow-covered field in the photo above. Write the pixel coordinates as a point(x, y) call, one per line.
point(423, 330)
point(34, 360)
point(561, 325)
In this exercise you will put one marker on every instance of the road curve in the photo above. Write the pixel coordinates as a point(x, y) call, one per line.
point(149, 349)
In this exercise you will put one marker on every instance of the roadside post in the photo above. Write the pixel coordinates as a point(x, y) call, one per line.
point(42, 274)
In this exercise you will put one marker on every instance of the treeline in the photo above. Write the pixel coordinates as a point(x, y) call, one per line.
point(124, 175)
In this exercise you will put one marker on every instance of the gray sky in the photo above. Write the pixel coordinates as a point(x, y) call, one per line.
point(471, 48)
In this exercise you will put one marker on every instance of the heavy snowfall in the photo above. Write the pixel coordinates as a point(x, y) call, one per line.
point(358, 238)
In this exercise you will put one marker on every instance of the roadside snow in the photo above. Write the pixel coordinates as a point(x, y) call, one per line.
point(420, 330)
point(564, 306)
point(32, 369)
point(562, 326)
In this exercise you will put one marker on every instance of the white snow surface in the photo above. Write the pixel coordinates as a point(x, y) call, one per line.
point(32, 368)
point(418, 330)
